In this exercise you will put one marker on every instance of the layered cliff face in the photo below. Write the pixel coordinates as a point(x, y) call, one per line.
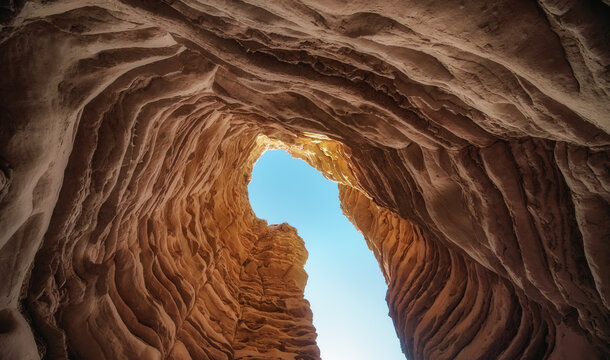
point(470, 141)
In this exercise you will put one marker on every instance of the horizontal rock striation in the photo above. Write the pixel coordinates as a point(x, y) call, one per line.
point(471, 143)
point(275, 320)
point(445, 306)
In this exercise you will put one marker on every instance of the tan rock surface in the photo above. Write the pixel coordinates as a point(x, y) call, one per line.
point(471, 141)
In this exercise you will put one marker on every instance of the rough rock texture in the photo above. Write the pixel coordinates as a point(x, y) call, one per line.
point(471, 143)
point(446, 307)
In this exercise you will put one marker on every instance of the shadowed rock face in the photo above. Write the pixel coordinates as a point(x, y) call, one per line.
point(471, 143)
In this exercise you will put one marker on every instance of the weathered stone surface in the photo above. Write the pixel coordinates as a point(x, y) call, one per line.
point(471, 143)
point(447, 307)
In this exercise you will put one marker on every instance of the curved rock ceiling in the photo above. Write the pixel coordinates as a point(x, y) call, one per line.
point(471, 143)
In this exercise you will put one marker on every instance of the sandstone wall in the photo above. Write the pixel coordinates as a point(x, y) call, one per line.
point(471, 142)
point(446, 306)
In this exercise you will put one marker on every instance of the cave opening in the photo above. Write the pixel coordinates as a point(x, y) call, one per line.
point(346, 288)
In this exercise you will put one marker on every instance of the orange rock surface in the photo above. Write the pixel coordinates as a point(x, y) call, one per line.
point(470, 141)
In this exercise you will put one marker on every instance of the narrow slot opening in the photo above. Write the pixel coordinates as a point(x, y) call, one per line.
point(345, 288)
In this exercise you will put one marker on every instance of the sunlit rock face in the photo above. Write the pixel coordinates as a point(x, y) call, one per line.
point(470, 141)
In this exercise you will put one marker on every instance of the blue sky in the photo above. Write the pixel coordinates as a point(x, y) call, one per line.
point(345, 287)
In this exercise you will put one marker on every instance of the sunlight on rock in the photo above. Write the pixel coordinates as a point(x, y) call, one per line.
point(345, 288)
point(470, 143)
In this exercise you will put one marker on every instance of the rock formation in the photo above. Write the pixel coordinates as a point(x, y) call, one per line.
point(470, 141)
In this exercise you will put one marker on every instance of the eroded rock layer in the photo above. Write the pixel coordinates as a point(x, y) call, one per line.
point(447, 307)
point(471, 143)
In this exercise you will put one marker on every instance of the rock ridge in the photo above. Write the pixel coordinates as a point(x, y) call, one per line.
point(471, 144)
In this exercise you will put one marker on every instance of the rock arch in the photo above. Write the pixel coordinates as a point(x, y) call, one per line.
point(471, 145)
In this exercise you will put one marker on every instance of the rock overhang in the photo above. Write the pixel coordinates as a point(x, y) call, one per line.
point(130, 128)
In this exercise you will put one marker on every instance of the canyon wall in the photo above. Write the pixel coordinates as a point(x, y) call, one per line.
point(471, 144)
